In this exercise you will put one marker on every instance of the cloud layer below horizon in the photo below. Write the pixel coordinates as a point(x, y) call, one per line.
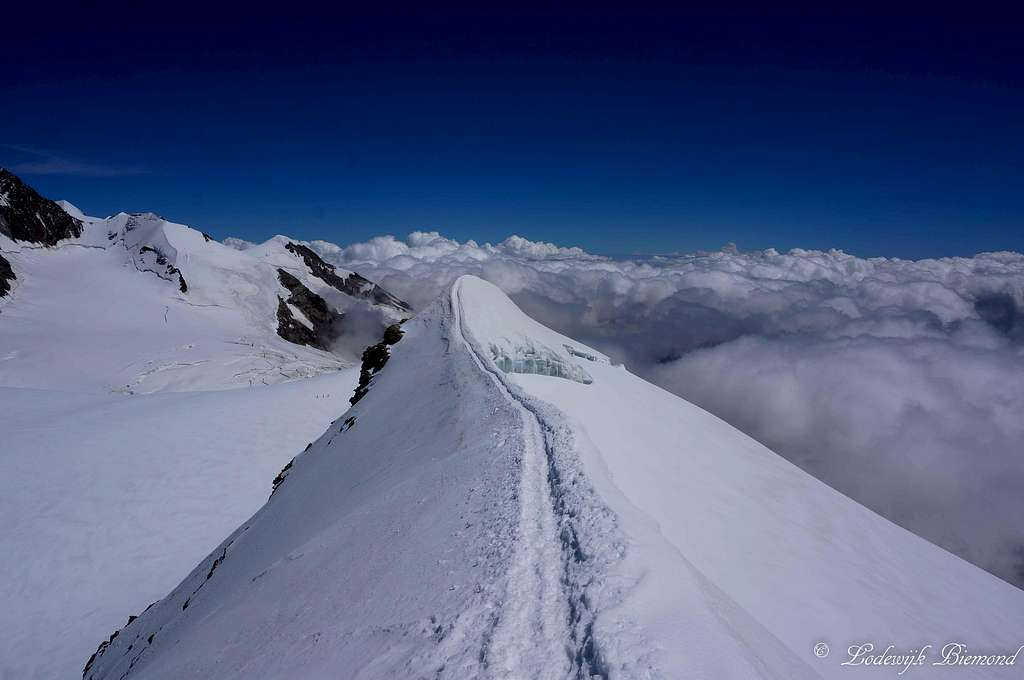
point(900, 383)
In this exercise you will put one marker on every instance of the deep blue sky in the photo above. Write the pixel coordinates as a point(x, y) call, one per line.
point(877, 132)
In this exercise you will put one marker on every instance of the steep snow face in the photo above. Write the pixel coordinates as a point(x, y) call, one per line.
point(463, 521)
point(138, 304)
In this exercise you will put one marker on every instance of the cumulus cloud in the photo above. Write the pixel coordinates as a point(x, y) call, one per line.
point(237, 243)
point(900, 383)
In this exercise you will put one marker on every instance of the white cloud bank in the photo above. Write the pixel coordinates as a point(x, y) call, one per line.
point(900, 383)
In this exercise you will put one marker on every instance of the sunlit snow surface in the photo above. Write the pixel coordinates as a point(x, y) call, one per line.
point(462, 522)
point(105, 312)
point(137, 427)
point(107, 500)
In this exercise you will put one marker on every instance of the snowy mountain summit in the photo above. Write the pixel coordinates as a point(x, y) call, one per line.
point(505, 502)
point(134, 303)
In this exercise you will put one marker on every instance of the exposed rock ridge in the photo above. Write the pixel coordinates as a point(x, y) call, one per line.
point(374, 358)
point(25, 215)
point(6, 276)
point(325, 321)
point(354, 284)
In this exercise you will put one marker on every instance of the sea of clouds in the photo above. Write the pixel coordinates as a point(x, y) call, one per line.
point(900, 383)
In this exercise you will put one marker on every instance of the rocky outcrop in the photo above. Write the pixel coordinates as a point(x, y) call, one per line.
point(292, 330)
point(353, 284)
point(374, 358)
point(325, 322)
point(169, 272)
point(6, 276)
point(27, 216)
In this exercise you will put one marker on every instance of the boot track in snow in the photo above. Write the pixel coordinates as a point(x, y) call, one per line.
point(544, 629)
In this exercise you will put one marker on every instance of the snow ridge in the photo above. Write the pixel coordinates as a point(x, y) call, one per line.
point(554, 580)
point(464, 522)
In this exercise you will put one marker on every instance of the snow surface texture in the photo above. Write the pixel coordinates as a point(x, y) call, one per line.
point(462, 522)
point(900, 383)
point(107, 500)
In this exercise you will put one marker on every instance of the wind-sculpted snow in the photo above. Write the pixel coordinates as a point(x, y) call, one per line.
point(898, 382)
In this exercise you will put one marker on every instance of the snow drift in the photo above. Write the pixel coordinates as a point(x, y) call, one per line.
point(464, 521)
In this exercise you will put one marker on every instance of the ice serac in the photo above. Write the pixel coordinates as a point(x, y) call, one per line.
point(464, 520)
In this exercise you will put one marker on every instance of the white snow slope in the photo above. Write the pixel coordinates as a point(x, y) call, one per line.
point(464, 522)
point(126, 457)
point(107, 500)
point(101, 313)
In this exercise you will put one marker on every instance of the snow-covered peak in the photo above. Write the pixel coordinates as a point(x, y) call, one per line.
point(137, 303)
point(515, 342)
point(464, 521)
point(271, 247)
point(72, 210)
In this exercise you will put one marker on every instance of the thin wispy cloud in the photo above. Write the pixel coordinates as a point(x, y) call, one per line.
point(35, 161)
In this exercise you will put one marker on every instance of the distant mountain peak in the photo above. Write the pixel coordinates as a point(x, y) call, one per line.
point(353, 284)
point(25, 215)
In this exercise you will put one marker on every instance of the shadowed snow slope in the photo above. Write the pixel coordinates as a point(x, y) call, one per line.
point(461, 522)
